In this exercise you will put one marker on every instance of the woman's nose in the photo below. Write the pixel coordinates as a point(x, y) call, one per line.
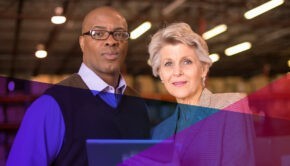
point(177, 71)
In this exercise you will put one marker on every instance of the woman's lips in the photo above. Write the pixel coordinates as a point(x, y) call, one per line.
point(179, 83)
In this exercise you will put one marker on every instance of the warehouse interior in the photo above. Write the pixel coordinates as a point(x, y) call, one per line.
point(26, 27)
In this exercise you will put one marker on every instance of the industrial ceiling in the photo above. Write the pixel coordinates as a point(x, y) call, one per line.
point(26, 23)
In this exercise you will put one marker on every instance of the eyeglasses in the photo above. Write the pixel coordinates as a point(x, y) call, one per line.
point(103, 35)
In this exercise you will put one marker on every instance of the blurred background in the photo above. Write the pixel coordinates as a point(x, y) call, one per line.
point(26, 26)
point(39, 42)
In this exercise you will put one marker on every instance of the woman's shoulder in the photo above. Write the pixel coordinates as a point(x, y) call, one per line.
point(222, 100)
point(230, 96)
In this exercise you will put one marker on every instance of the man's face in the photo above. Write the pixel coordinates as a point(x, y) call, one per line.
point(104, 56)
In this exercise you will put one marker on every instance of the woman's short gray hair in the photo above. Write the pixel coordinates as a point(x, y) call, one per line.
point(177, 33)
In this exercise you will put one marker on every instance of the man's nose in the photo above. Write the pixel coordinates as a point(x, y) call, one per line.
point(111, 41)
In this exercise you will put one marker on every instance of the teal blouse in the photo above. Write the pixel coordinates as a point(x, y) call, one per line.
point(189, 115)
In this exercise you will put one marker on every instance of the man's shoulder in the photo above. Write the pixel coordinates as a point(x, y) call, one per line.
point(73, 83)
point(72, 80)
point(131, 92)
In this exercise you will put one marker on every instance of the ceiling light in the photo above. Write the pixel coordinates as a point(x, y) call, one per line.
point(238, 48)
point(140, 30)
point(289, 63)
point(263, 8)
point(58, 18)
point(175, 4)
point(40, 52)
point(215, 31)
point(214, 57)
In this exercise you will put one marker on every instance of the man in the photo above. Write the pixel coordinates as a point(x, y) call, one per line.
point(85, 105)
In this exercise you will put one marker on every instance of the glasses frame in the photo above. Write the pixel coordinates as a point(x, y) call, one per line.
point(90, 33)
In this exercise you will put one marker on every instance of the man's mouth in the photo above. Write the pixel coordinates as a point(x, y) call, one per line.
point(111, 55)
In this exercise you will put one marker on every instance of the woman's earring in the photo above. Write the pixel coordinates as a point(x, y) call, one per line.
point(203, 81)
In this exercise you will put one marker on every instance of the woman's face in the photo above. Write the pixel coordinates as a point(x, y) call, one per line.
point(181, 71)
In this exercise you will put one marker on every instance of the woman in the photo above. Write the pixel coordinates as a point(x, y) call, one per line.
point(203, 134)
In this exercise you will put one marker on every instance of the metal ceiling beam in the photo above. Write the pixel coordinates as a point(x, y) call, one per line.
point(16, 38)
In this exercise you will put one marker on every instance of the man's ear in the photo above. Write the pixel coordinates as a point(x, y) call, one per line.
point(81, 42)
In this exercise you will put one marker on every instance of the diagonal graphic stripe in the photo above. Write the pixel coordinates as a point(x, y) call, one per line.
point(224, 136)
point(227, 137)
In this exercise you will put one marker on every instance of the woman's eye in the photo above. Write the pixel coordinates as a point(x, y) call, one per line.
point(187, 61)
point(167, 63)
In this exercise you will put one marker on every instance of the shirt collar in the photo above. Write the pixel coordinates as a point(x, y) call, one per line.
point(96, 84)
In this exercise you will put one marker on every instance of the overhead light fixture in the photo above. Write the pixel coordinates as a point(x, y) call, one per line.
point(175, 4)
point(289, 63)
point(214, 31)
point(40, 51)
point(140, 30)
point(238, 48)
point(263, 8)
point(58, 18)
point(214, 57)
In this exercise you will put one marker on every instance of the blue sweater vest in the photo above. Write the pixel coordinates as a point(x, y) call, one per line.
point(89, 117)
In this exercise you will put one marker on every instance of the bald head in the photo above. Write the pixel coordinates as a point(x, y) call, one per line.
point(102, 13)
point(104, 56)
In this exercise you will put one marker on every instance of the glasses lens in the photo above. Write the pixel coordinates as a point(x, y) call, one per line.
point(98, 34)
point(119, 35)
